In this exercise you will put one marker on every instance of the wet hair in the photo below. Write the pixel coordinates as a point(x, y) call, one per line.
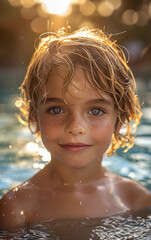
point(105, 67)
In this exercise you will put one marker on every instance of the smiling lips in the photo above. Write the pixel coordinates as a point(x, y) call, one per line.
point(75, 147)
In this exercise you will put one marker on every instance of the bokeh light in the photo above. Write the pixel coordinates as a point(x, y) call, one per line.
point(130, 17)
point(32, 147)
point(39, 165)
point(88, 8)
point(142, 18)
point(28, 13)
point(39, 25)
point(116, 3)
point(78, 2)
point(46, 156)
point(37, 1)
point(39, 10)
point(14, 3)
point(105, 8)
point(18, 102)
point(59, 7)
point(27, 3)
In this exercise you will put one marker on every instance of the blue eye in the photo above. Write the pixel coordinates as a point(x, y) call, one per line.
point(55, 110)
point(96, 111)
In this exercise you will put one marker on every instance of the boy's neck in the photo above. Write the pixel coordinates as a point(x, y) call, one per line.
point(70, 176)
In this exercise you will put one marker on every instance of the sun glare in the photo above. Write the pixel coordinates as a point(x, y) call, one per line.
point(58, 7)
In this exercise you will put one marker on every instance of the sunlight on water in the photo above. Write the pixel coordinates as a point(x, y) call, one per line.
point(38, 165)
point(18, 103)
point(32, 148)
point(46, 156)
point(143, 142)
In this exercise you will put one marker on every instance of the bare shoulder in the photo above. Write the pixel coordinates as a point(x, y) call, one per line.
point(134, 193)
point(11, 210)
point(17, 205)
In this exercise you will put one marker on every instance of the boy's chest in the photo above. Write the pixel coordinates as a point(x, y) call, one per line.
point(66, 203)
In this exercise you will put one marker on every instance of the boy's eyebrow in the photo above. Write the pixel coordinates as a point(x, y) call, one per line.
point(53, 100)
point(101, 100)
point(93, 101)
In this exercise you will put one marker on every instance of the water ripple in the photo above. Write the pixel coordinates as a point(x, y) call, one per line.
point(130, 226)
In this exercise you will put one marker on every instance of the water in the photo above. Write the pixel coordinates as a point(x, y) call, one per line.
point(125, 227)
point(21, 157)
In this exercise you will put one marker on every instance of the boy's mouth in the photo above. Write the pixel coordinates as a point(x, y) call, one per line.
point(75, 147)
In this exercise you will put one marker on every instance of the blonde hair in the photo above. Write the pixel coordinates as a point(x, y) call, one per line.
point(105, 66)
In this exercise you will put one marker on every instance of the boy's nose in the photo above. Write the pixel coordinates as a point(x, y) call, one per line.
point(75, 126)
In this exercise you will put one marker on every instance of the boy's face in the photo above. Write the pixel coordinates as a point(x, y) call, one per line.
point(79, 132)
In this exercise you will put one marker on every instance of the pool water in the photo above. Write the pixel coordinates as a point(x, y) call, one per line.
point(127, 226)
point(21, 156)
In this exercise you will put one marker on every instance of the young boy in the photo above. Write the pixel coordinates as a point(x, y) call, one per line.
point(77, 94)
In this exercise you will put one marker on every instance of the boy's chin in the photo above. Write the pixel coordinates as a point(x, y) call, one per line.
point(77, 164)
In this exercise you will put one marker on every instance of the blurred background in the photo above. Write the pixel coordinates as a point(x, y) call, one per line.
point(23, 21)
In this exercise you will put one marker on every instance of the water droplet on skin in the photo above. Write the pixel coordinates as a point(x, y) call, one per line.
point(15, 189)
point(25, 183)
point(66, 184)
point(21, 212)
point(3, 214)
point(81, 202)
point(80, 181)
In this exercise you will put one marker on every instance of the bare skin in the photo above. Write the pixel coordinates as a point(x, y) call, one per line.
point(45, 197)
point(74, 184)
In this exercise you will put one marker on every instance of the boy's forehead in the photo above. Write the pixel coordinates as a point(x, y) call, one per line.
point(57, 79)
point(79, 87)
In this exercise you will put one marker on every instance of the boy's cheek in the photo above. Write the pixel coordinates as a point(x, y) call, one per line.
point(104, 126)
